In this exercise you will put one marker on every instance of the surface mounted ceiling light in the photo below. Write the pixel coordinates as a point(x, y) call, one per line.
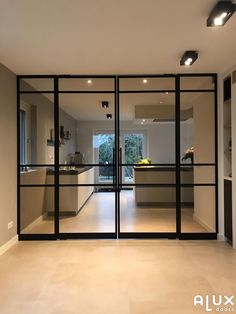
point(105, 104)
point(89, 81)
point(145, 81)
point(109, 116)
point(221, 12)
point(189, 57)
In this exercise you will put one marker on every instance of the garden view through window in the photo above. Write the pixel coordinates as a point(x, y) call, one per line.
point(132, 150)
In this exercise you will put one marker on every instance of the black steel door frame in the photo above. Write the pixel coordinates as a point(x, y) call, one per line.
point(117, 182)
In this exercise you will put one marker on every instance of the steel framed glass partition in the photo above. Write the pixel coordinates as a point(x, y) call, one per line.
point(117, 156)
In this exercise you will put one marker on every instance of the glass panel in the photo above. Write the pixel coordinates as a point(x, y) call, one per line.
point(86, 84)
point(87, 137)
point(198, 209)
point(37, 175)
point(147, 83)
point(148, 209)
point(87, 209)
point(38, 137)
point(152, 115)
point(197, 174)
point(86, 128)
point(37, 84)
point(197, 82)
point(37, 210)
point(197, 111)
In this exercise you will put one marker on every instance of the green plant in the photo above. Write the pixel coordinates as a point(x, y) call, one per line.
point(145, 161)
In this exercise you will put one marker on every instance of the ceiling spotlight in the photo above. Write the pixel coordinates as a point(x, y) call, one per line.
point(143, 120)
point(89, 81)
point(167, 93)
point(105, 104)
point(189, 57)
point(109, 116)
point(145, 81)
point(221, 12)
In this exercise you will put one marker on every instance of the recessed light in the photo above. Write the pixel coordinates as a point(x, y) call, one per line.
point(189, 57)
point(221, 12)
point(161, 102)
point(145, 81)
point(89, 81)
point(105, 104)
point(109, 116)
point(143, 120)
point(167, 93)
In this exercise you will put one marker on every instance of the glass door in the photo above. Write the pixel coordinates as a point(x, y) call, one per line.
point(147, 163)
point(87, 194)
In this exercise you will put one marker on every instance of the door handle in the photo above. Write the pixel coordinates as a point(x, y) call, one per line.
point(120, 167)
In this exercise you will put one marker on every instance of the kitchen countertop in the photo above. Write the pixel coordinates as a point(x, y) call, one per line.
point(160, 168)
point(75, 171)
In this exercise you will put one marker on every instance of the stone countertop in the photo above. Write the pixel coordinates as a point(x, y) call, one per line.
point(162, 168)
point(75, 171)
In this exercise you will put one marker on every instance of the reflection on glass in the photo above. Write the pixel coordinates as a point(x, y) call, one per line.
point(37, 84)
point(86, 84)
point(36, 129)
point(198, 212)
point(37, 210)
point(87, 209)
point(197, 82)
point(147, 83)
point(197, 127)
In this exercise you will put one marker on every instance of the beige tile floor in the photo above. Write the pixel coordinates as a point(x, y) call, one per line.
point(98, 215)
point(114, 277)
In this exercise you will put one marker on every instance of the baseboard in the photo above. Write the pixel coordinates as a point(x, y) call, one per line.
point(8, 244)
point(203, 224)
point(35, 222)
point(221, 237)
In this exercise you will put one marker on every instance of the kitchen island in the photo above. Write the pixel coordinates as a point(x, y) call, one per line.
point(165, 195)
point(72, 198)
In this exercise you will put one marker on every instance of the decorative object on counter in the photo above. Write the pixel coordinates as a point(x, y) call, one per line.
point(189, 154)
point(51, 140)
point(64, 135)
point(78, 158)
point(145, 161)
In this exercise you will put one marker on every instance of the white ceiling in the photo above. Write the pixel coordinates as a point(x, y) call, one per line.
point(112, 36)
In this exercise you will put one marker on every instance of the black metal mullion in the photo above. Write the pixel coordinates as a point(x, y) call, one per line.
point(56, 158)
point(177, 155)
point(216, 155)
point(118, 153)
point(18, 155)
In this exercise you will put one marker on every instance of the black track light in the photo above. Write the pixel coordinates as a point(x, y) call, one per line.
point(109, 116)
point(105, 104)
point(189, 57)
point(221, 12)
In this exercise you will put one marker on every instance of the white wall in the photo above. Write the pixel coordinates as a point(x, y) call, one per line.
point(8, 154)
